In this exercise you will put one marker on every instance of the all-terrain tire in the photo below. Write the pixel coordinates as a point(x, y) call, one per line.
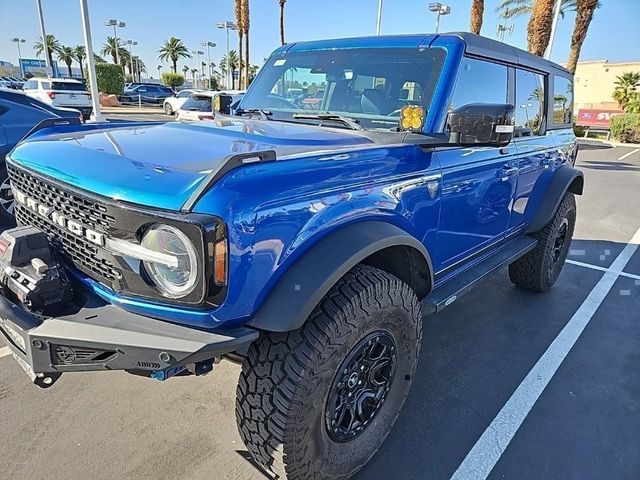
point(283, 408)
point(539, 269)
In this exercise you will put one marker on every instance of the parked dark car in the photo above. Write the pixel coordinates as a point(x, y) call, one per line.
point(13, 82)
point(19, 114)
point(146, 93)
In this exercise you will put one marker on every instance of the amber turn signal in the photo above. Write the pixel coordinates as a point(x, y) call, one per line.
point(220, 262)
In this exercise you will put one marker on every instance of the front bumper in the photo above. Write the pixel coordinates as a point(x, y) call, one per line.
point(101, 336)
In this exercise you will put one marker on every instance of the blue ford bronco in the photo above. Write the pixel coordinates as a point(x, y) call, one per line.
point(359, 184)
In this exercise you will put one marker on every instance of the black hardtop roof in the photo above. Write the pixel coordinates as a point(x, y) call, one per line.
point(489, 48)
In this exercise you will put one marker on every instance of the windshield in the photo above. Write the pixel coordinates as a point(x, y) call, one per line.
point(368, 85)
point(198, 103)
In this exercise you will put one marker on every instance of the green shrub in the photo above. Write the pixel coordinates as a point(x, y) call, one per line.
point(626, 128)
point(128, 78)
point(172, 80)
point(110, 78)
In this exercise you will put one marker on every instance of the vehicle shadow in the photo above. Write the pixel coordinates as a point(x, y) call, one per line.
point(474, 355)
point(586, 145)
point(604, 165)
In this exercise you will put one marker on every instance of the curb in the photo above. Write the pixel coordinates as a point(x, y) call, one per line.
point(610, 142)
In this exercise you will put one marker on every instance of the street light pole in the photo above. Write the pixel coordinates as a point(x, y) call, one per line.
point(131, 42)
point(554, 24)
point(439, 9)
point(96, 115)
point(115, 24)
point(18, 41)
point(228, 26)
point(379, 21)
point(45, 47)
point(209, 45)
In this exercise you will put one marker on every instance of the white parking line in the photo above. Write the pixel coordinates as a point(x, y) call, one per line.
point(628, 154)
point(484, 455)
point(4, 351)
point(603, 269)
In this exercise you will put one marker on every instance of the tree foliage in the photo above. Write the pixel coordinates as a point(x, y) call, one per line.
point(172, 80)
point(173, 50)
point(626, 128)
point(626, 86)
point(110, 78)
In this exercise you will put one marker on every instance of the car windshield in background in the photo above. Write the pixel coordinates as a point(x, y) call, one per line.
point(367, 85)
point(198, 104)
point(73, 86)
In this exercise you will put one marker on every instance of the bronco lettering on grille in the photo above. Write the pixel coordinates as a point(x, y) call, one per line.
point(59, 219)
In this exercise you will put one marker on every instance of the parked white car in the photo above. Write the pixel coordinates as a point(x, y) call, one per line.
point(60, 92)
point(172, 104)
point(204, 105)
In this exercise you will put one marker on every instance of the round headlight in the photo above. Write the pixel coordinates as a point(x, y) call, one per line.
point(179, 278)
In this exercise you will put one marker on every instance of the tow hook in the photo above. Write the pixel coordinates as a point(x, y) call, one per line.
point(198, 369)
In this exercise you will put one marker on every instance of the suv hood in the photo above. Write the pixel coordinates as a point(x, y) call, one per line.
point(160, 165)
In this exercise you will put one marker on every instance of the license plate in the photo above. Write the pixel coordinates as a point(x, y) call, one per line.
point(25, 366)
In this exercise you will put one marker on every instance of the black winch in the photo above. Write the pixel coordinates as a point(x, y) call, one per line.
point(30, 271)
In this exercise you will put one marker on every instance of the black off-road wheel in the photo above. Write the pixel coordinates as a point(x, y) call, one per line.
point(318, 402)
point(539, 269)
point(7, 202)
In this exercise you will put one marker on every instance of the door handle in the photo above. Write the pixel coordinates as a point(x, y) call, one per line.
point(507, 172)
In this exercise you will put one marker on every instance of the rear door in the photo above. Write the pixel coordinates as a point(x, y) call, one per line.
point(477, 183)
point(535, 146)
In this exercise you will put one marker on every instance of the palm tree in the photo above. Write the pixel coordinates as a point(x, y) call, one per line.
point(230, 64)
point(172, 51)
point(185, 69)
point(139, 66)
point(80, 53)
point(66, 55)
point(626, 85)
point(519, 8)
point(282, 2)
point(98, 59)
point(539, 27)
point(245, 25)
point(53, 46)
point(477, 11)
point(111, 46)
point(239, 4)
point(584, 14)
point(193, 76)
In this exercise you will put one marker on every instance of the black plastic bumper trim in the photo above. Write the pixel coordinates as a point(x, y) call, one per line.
point(120, 340)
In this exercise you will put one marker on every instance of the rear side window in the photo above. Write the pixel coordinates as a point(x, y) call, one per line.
point(30, 85)
point(530, 103)
point(45, 85)
point(73, 86)
point(480, 82)
point(562, 100)
point(198, 103)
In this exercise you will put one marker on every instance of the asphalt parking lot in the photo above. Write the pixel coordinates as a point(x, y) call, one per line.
point(510, 384)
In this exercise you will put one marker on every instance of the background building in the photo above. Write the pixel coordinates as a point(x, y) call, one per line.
point(594, 83)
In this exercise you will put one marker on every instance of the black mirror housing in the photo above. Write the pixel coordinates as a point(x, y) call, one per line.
point(489, 124)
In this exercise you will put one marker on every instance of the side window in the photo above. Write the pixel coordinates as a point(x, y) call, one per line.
point(45, 85)
point(562, 100)
point(479, 82)
point(30, 85)
point(529, 103)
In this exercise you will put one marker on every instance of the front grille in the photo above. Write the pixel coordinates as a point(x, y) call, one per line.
point(75, 249)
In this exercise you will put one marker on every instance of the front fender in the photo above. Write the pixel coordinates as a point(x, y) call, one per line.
point(302, 287)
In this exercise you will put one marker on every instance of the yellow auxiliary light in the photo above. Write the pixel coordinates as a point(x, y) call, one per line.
point(412, 118)
point(216, 104)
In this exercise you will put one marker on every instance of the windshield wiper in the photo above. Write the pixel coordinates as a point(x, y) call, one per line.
point(264, 114)
point(349, 122)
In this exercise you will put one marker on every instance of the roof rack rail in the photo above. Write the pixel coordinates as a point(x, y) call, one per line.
point(230, 162)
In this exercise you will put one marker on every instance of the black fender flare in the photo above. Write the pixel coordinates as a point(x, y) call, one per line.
point(308, 280)
point(566, 179)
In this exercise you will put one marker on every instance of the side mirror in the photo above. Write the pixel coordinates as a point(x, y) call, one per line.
point(488, 124)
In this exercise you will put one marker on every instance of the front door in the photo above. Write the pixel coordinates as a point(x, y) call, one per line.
point(478, 183)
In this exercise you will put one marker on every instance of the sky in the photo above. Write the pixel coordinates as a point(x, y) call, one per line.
point(614, 33)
